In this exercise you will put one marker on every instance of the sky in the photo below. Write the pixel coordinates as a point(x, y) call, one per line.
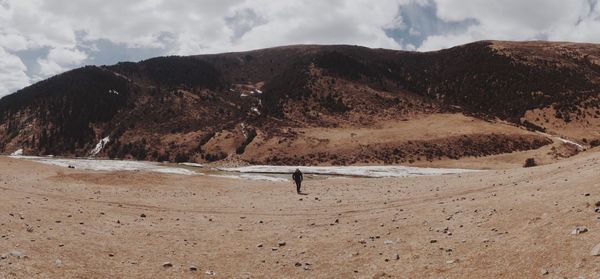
point(42, 38)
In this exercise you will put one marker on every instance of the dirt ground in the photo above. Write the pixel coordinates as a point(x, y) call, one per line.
point(514, 223)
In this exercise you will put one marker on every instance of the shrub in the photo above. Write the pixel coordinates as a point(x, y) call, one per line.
point(530, 162)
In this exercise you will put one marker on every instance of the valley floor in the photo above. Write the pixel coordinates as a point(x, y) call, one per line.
point(515, 223)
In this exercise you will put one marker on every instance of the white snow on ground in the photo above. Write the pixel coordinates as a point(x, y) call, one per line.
point(108, 165)
point(122, 76)
point(192, 165)
point(579, 146)
point(18, 152)
point(365, 171)
point(101, 144)
point(255, 110)
point(243, 125)
point(249, 176)
point(243, 95)
point(112, 91)
point(258, 91)
point(260, 172)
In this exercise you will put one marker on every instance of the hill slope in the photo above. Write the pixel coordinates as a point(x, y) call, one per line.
point(266, 106)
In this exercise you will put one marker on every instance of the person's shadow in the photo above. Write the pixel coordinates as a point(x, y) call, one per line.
point(303, 194)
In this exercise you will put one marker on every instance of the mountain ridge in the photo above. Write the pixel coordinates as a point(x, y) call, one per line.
point(250, 105)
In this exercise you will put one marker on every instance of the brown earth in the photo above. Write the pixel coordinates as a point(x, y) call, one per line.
point(511, 223)
point(422, 138)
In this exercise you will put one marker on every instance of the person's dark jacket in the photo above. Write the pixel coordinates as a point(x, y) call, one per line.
point(297, 176)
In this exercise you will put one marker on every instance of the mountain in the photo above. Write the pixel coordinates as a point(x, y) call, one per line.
point(311, 104)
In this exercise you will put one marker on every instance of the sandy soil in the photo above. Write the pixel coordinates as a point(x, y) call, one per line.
point(513, 223)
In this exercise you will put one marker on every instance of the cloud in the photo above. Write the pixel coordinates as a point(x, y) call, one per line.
point(60, 59)
point(517, 20)
point(12, 73)
point(41, 38)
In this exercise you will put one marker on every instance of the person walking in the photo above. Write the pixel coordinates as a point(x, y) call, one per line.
point(297, 177)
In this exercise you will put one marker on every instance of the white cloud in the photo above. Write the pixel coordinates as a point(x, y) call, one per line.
point(323, 22)
point(59, 60)
point(12, 73)
point(516, 20)
point(66, 34)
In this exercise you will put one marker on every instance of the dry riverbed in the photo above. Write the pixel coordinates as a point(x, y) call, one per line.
point(519, 223)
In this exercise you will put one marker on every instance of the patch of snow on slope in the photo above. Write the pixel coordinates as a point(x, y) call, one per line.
point(365, 171)
point(18, 152)
point(254, 109)
point(192, 165)
point(579, 146)
point(101, 144)
point(243, 125)
point(112, 91)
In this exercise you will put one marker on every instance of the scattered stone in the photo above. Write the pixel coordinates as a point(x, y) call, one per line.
point(193, 268)
point(281, 243)
point(260, 245)
point(17, 254)
point(58, 263)
point(209, 272)
point(298, 264)
point(143, 215)
point(544, 272)
point(596, 250)
point(579, 230)
point(3, 256)
point(274, 248)
point(167, 264)
point(397, 257)
point(111, 255)
point(433, 241)
point(388, 242)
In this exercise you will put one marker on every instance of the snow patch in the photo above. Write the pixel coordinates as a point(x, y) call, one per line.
point(112, 91)
point(18, 152)
point(110, 165)
point(579, 146)
point(250, 177)
point(101, 144)
point(364, 171)
point(192, 165)
point(258, 91)
point(243, 125)
point(243, 95)
point(254, 109)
